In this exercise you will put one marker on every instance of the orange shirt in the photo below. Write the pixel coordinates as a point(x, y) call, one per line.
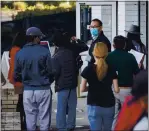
point(130, 114)
point(13, 53)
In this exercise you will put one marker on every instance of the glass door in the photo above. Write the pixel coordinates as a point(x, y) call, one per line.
point(105, 11)
point(85, 12)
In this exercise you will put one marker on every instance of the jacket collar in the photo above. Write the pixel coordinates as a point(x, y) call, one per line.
point(31, 44)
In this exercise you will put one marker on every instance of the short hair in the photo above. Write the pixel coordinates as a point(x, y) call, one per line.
point(30, 38)
point(119, 42)
point(99, 21)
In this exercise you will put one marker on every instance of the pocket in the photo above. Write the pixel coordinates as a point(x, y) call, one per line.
point(28, 96)
point(91, 111)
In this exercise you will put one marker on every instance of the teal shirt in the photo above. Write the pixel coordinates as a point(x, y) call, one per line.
point(125, 66)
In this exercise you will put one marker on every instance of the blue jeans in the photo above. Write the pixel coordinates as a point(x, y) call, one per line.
point(100, 117)
point(66, 97)
point(37, 103)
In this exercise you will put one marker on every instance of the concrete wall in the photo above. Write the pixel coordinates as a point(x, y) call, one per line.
point(9, 100)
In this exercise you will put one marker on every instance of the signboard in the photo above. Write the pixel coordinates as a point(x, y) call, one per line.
point(137, 55)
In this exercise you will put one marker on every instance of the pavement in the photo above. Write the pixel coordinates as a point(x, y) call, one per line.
point(81, 118)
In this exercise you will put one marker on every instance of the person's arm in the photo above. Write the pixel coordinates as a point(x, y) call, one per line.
point(141, 62)
point(17, 70)
point(49, 67)
point(115, 85)
point(12, 53)
point(85, 76)
point(115, 81)
point(109, 46)
point(84, 87)
point(108, 43)
point(3, 80)
point(135, 66)
point(114, 75)
point(56, 68)
point(79, 45)
point(145, 53)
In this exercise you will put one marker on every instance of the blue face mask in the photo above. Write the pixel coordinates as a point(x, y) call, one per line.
point(94, 32)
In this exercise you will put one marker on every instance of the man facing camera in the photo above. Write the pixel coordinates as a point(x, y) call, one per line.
point(97, 36)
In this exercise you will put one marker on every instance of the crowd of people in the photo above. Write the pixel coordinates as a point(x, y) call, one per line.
point(117, 85)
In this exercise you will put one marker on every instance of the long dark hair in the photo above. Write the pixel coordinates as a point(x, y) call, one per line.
point(136, 38)
point(19, 40)
point(140, 86)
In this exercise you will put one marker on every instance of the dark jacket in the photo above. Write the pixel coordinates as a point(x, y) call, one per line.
point(33, 66)
point(77, 47)
point(64, 69)
point(101, 38)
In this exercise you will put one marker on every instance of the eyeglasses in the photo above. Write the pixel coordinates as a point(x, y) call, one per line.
point(93, 27)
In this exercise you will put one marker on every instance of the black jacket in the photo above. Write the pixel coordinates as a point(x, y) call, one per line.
point(101, 38)
point(65, 65)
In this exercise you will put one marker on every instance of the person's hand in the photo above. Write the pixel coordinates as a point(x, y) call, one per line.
point(139, 65)
point(74, 38)
point(18, 84)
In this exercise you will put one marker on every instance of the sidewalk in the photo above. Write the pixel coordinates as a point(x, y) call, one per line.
point(81, 119)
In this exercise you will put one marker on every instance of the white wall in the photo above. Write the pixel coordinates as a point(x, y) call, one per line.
point(104, 13)
point(143, 21)
point(127, 15)
point(131, 14)
point(148, 23)
point(121, 18)
point(143, 24)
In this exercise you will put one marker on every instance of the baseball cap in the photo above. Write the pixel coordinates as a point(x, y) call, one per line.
point(34, 31)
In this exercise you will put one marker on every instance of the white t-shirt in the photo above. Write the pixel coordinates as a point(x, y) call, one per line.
point(142, 125)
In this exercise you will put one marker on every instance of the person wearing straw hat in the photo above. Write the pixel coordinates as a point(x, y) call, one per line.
point(135, 43)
